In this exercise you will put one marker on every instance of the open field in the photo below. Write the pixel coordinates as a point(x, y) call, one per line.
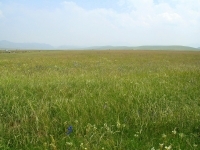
point(123, 100)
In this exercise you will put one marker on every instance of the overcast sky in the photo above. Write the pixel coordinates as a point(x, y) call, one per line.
point(101, 22)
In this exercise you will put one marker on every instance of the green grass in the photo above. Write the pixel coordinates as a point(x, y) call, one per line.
point(121, 100)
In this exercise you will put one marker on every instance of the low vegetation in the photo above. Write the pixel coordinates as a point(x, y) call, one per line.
point(94, 100)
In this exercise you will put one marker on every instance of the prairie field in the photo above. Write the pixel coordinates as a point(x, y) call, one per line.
point(111, 100)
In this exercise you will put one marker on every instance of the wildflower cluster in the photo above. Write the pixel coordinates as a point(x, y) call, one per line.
point(173, 141)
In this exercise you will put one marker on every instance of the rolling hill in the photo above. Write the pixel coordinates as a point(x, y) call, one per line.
point(41, 46)
point(172, 47)
point(11, 45)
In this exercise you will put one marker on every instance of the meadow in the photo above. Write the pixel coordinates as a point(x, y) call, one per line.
point(111, 100)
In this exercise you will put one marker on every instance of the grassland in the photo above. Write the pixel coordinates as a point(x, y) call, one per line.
point(122, 100)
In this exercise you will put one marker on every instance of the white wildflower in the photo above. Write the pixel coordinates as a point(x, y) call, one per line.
point(123, 125)
point(161, 145)
point(168, 147)
point(195, 145)
point(94, 127)
point(81, 145)
point(164, 136)
point(174, 131)
point(118, 124)
point(181, 135)
point(69, 143)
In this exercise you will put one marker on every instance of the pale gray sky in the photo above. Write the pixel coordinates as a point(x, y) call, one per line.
point(101, 22)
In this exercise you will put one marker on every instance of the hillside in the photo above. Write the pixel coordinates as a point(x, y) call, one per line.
point(11, 45)
point(41, 46)
point(171, 47)
point(108, 47)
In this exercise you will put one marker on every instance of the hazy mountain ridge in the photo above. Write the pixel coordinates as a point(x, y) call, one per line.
point(41, 46)
point(109, 47)
point(166, 47)
point(11, 45)
point(150, 47)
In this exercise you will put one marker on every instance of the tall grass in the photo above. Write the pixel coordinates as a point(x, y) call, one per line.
point(111, 99)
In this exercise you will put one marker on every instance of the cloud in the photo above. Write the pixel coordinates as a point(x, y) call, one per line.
point(140, 23)
point(1, 14)
point(88, 27)
point(170, 17)
point(171, 10)
point(165, 21)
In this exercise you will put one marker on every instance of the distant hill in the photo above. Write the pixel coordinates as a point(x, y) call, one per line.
point(41, 46)
point(109, 48)
point(11, 45)
point(172, 47)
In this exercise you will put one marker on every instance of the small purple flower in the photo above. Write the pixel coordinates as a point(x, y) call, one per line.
point(69, 130)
